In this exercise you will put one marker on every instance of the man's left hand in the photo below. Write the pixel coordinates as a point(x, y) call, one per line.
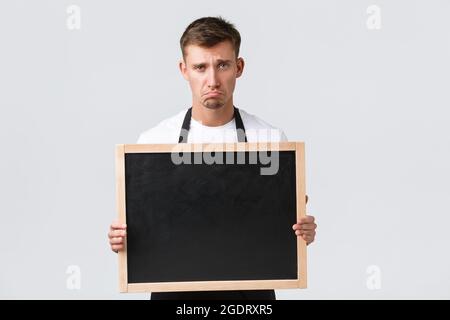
point(306, 228)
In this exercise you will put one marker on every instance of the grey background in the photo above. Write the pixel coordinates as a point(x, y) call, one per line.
point(371, 106)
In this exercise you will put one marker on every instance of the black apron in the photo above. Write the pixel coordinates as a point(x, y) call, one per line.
point(240, 129)
point(215, 295)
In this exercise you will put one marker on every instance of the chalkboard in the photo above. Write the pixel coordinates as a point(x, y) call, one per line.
point(211, 217)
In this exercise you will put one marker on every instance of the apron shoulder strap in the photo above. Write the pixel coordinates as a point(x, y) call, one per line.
point(240, 129)
point(185, 127)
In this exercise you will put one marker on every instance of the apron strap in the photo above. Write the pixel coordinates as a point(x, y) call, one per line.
point(185, 127)
point(240, 129)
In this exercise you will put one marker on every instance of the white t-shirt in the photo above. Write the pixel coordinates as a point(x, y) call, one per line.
point(168, 131)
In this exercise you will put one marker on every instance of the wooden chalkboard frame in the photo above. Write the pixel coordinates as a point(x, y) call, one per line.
point(300, 282)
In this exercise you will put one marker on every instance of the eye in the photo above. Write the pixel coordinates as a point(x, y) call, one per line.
point(199, 68)
point(223, 65)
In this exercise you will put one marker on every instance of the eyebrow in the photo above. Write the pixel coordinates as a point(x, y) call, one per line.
point(222, 61)
point(203, 64)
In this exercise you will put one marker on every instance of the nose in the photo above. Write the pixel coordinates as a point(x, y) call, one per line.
point(213, 81)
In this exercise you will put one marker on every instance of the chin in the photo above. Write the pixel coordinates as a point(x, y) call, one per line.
point(214, 105)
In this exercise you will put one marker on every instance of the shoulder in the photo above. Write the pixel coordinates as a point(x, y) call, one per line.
point(259, 130)
point(167, 131)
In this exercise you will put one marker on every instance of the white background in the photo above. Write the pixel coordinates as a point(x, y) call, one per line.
point(371, 106)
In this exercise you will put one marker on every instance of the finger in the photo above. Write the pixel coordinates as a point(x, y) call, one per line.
point(118, 240)
point(310, 234)
point(116, 225)
point(305, 232)
point(304, 226)
point(308, 226)
point(307, 237)
point(117, 247)
point(117, 233)
point(307, 219)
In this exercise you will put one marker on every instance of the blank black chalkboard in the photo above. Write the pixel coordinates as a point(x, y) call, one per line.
point(201, 226)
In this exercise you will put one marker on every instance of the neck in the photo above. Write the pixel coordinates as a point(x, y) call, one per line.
point(213, 117)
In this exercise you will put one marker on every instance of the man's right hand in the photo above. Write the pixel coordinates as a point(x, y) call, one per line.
point(116, 235)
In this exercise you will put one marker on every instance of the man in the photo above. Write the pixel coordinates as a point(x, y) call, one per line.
point(211, 64)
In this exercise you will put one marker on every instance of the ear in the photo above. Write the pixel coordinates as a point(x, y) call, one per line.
point(183, 69)
point(240, 67)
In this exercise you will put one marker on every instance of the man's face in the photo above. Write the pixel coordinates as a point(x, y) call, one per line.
point(212, 73)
